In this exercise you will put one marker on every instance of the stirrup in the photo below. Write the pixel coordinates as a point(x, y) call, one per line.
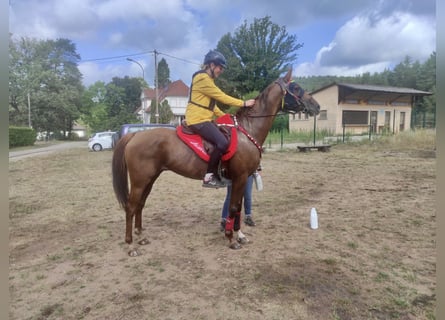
point(214, 182)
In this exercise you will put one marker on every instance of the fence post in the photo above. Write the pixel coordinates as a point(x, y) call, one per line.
point(344, 128)
point(315, 126)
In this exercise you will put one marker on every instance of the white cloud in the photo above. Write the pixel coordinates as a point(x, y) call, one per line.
point(363, 45)
point(382, 32)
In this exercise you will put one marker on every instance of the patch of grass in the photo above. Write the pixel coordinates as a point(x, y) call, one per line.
point(381, 276)
point(18, 208)
point(51, 310)
point(156, 264)
point(352, 245)
point(54, 257)
point(422, 139)
point(330, 261)
point(40, 277)
point(410, 276)
point(276, 137)
point(400, 302)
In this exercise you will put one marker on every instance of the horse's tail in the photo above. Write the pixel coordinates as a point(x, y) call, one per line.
point(119, 171)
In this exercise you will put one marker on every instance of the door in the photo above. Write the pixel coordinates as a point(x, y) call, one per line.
point(387, 121)
point(402, 121)
point(373, 121)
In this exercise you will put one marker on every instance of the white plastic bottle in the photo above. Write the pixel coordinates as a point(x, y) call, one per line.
point(314, 219)
point(258, 181)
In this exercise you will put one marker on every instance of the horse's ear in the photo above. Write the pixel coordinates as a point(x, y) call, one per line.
point(288, 76)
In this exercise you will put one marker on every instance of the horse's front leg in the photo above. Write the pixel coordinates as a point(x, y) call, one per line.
point(233, 223)
point(242, 239)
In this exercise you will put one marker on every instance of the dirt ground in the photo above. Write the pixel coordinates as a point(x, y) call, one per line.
point(372, 257)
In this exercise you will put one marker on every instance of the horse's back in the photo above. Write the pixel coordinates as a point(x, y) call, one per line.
point(162, 149)
point(151, 142)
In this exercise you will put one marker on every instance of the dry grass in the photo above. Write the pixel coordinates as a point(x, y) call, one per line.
point(373, 256)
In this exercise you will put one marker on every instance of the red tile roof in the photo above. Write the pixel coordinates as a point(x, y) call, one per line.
point(175, 89)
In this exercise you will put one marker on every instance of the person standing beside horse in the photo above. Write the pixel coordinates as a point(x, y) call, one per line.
point(247, 197)
point(201, 110)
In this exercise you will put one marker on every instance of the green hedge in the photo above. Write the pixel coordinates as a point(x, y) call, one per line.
point(21, 136)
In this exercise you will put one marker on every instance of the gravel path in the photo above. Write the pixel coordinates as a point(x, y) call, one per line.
point(17, 155)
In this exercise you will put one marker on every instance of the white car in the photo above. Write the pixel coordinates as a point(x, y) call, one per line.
point(100, 141)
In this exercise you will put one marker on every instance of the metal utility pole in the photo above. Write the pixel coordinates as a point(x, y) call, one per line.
point(156, 86)
point(29, 111)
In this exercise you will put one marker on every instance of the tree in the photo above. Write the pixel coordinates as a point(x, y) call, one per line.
point(122, 99)
point(163, 74)
point(404, 74)
point(256, 54)
point(426, 80)
point(165, 112)
point(47, 71)
point(94, 108)
point(108, 106)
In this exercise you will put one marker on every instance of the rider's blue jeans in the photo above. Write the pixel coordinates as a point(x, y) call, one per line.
point(247, 201)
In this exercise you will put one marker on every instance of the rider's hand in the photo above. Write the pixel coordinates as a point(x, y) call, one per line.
point(249, 103)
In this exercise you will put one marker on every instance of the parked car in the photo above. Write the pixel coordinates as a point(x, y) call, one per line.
point(101, 140)
point(134, 127)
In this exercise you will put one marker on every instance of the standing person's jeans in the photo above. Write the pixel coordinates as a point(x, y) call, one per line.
point(247, 199)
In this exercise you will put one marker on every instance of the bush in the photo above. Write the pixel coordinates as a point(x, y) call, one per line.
point(21, 136)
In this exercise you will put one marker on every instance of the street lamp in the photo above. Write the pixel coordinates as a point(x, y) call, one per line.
point(142, 68)
point(143, 78)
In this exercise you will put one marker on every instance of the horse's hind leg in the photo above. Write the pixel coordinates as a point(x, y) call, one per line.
point(138, 213)
point(136, 203)
point(133, 210)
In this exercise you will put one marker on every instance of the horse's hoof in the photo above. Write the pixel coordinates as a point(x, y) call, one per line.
point(143, 241)
point(235, 246)
point(134, 253)
point(243, 240)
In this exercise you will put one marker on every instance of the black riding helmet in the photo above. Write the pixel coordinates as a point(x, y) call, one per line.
point(216, 57)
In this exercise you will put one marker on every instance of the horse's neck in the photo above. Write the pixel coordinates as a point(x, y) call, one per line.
point(258, 121)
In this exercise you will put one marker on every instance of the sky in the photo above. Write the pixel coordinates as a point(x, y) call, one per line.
point(341, 37)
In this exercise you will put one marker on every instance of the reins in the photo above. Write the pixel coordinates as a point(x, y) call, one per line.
point(284, 90)
point(282, 85)
point(247, 134)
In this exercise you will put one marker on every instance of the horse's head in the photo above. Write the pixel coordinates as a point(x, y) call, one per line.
point(297, 100)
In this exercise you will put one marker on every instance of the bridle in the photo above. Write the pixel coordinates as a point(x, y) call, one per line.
point(287, 94)
point(288, 98)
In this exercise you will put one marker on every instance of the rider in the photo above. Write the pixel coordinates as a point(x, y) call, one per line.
point(202, 108)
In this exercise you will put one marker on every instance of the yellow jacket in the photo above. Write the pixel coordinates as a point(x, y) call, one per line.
point(202, 91)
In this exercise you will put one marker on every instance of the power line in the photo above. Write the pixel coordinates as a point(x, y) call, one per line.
point(117, 57)
point(138, 54)
point(181, 59)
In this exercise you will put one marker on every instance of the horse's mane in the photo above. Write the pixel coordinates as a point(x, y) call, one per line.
point(245, 112)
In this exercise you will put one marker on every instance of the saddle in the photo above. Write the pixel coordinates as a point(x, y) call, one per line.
point(204, 148)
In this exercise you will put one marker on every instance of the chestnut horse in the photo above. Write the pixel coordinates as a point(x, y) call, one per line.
point(144, 155)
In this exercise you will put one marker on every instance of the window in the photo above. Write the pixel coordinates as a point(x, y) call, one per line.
point(398, 103)
point(323, 115)
point(355, 117)
point(300, 116)
point(376, 102)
